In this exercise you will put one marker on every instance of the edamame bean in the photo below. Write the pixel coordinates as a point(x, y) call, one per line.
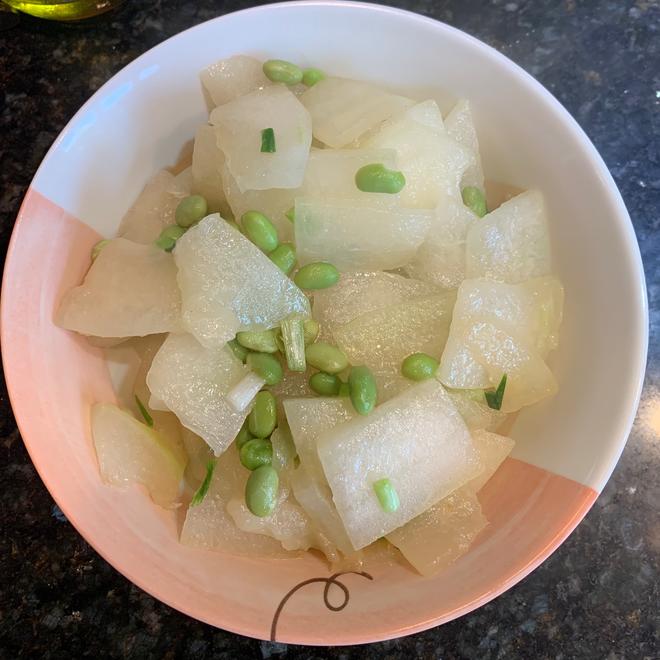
point(263, 342)
point(363, 391)
point(96, 250)
point(239, 351)
point(311, 329)
point(243, 436)
point(311, 76)
point(284, 257)
point(387, 496)
point(419, 366)
point(319, 275)
point(267, 366)
point(475, 200)
point(263, 416)
point(261, 491)
point(169, 236)
point(282, 71)
point(326, 357)
point(260, 230)
point(377, 178)
point(325, 384)
point(190, 210)
point(255, 453)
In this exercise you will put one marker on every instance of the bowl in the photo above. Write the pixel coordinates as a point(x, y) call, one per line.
point(566, 447)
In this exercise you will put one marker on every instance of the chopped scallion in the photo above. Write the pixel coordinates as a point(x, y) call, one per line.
point(148, 419)
point(268, 141)
point(494, 397)
point(200, 494)
point(293, 338)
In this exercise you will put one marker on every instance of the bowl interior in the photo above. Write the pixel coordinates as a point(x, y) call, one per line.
point(566, 447)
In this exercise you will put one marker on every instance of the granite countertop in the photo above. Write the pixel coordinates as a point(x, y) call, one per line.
point(596, 597)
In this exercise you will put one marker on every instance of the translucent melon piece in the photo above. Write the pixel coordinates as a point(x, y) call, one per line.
point(432, 162)
point(493, 449)
point(441, 258)
point(460, 127)
point(474, 410)
point(238, 131)
point(343, 110)
point(308, 419)
point(228, 284)
point(209, 526)
point(274, 203)
point(531, 310)
point(528, 378)
point(288, 524)
point(295, 384)
point(154, 208)
point(284, 449)
point(417, 440)
point(438, 537)
point(130, 452)
point(228, 79)
point(207, 165)
point(130, 290)
point(382, 339)
point(511, 244)
point(315, 498)
point(331, 172)
point(184, 180)
point(357, 234)
point(192, 381)
point(360, 293)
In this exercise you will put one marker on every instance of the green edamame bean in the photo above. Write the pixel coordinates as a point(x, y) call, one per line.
point(267, 366)
point(311, 329)
point(256, 452)
point(263, 417)
point(377, 178)
point(284, 257)
point(387, 496)
point(326, 357)
point(239, 351)
point(363, 391)
point(325, 384)
point(319, 275)
point(419, 366)
point(190, 210)
point(260, 230)
point(263, 342)
point(261, 491)
point(311, 76)
point(169, 236)
point(243, 436)
point(475, 200)
point(282, 71)
point(96, 250)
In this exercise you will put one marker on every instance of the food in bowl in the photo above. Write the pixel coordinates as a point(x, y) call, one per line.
point(326, 321)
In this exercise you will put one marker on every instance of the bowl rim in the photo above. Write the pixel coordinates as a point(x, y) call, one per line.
point(620, 213)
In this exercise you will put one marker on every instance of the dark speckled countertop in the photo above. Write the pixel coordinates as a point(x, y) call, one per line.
point(596, 597)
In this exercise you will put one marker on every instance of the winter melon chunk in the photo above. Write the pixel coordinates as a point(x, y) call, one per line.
point(227, 284)
point(343, 110)
point(417, 440)
point(432, 162)
point(510, 244)
point(228, 79)
point(382, 339)
point(192, 382)
point(363, 292)
point(154, 208)
point(130, 452)
point(239, 124)
point(130, 290)
point(207, 165)
point(358, 234)
point(460, 126)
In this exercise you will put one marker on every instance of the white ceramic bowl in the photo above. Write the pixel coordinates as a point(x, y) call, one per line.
point(566, 447)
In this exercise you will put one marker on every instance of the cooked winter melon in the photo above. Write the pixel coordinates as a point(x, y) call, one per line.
point(207, 164)
point(235, 76)
point(460, 126)
point(130, 290)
